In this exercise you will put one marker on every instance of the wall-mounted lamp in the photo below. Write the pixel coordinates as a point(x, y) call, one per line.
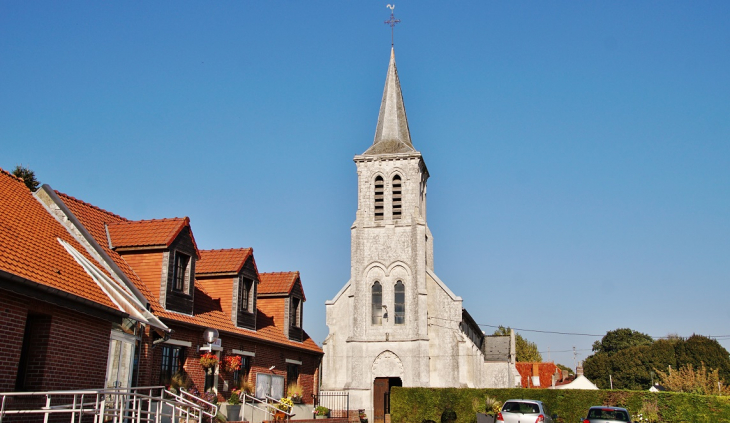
point(272, 368)
point(385, 315)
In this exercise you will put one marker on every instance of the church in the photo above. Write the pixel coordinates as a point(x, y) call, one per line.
point(395, 323)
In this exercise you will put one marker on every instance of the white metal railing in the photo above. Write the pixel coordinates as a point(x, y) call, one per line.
point(251, 402)
point(115, 405)
point(272, 402)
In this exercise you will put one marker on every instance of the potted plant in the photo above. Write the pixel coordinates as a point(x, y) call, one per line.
point(233, 406)
point(285, 404)
point(295, 393)
point(363, 416)
point(232, 363)
point(247, 388)
point(492, 407)
point(208, 360)
point(321, 412)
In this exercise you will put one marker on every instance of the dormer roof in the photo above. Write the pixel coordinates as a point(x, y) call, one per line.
point(279, 283)
point(148, 234)
point(392, 134)
point(222, 262)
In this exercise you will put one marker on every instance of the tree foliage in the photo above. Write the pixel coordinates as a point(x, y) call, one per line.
point(699, 381)
point(527, 351)
point(630, 360)
point(619, 339)
point(27, 175)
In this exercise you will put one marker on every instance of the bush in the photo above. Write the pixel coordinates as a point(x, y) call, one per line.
point(415, 405)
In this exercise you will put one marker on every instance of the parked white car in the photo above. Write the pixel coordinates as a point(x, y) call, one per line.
point(525, 411)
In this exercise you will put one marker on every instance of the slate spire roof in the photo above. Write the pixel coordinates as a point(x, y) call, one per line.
point(392, 134)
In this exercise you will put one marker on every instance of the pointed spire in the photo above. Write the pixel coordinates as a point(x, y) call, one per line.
point(392, 134)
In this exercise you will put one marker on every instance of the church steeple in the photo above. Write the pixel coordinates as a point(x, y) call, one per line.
point(392, 134)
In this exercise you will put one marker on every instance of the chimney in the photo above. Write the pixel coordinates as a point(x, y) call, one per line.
point(579, 370)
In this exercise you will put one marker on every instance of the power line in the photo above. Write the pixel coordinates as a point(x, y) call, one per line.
point(547, 331)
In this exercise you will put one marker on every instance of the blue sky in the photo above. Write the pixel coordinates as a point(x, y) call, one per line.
point(579, 152)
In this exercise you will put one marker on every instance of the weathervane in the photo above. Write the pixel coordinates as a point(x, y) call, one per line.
point(392, 21)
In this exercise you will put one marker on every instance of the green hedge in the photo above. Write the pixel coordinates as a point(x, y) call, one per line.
point(415, 405)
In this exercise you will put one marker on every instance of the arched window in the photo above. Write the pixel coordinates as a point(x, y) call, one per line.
point(377, 304)
point(379, 200)
point(397, 193)
point(400, 303)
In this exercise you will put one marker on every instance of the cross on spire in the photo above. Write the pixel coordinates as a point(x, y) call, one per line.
point(392, 21)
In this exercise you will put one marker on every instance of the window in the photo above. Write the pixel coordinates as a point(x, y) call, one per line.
point(241, 375)
point(180, 272)
point(292, 374)
point(173, 358)
point(397, 193)
point(244, 295)
point(377, 304)
point(379, 199)
point(294, 312)
point(400, 303)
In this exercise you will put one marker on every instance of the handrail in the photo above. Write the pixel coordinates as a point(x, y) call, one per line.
point(115, 405)
point(266, 409)
point(288, 413)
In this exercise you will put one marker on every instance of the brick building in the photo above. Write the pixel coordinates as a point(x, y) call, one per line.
point(169, 291)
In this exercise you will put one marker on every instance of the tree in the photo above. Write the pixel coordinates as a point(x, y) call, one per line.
point(687, 379)
point(699, 350)
point(619, 339)
point(629, 358)
point(526, 350)
point(564, 367)
point(27, 175)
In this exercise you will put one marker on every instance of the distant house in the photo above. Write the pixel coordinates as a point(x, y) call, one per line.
point(137, 296)
point(538, 375)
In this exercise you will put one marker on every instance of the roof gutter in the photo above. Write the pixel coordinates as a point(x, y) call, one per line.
point(92, 242)
point(29, 288)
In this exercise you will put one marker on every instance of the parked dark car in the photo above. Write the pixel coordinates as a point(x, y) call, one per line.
point(604, 414)
point(525, 411)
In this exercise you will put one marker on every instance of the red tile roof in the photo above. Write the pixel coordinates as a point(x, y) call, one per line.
point(29, 246)
point(278, 282)
point(207, 309)
point(156, 233)
point(546, 370)
point(222, 261)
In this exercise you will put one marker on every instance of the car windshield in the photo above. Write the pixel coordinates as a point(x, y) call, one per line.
point(608, 414)
point(521, 407)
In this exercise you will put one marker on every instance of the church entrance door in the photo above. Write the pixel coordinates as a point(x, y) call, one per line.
point(381, 396)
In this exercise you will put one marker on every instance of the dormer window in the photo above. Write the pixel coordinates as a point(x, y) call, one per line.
point(295, 313)
point(181, 272)
point(245, 295)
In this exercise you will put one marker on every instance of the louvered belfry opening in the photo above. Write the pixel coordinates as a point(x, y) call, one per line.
point(379, 198)
point(397, 191)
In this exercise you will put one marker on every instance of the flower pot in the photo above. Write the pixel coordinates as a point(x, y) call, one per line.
point(233, 412)
point(317, 417)
point(296, 400)
point(486, 418)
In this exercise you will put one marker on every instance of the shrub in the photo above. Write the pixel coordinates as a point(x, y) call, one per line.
point(415, 405)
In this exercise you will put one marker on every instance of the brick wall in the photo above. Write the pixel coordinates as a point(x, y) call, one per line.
point(68, 349)
point(265, 356)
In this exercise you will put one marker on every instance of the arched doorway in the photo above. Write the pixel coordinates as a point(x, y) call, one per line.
point(381, 396)
point(387, 373)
